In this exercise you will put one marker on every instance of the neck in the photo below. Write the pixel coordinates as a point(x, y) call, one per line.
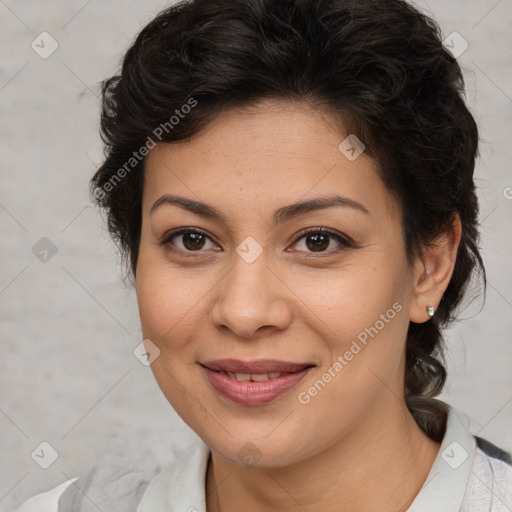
point(380, 465)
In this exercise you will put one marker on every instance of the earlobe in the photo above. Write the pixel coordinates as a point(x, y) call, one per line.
point(434, 272)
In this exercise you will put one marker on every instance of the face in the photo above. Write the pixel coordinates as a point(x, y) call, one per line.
point(235, 281)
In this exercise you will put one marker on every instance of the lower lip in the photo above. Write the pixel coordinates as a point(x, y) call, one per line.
point(253, 392)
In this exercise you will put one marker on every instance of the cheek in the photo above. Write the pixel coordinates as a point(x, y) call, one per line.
point(346, 300)
point(361, 312)
point(168, 311)
point(169, 305)
point(170, 300)
point(362, 349)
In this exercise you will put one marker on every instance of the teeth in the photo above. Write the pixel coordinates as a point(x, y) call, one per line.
point(253, 376)
point(259, 376)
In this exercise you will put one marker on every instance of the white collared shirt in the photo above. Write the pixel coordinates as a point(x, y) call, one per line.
point(469, 474)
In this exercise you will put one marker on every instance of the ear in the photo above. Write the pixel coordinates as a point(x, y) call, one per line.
point(432, 273)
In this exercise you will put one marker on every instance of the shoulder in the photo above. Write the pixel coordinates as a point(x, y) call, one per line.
point(180, 486)
point(119, 484)
point(469, 474)
point(47, 501)
point(116, 484)
point(490, 481)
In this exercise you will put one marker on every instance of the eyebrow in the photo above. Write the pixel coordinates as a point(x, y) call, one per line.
point(280, 215)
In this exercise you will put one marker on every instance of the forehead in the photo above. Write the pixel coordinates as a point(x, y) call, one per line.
point(262, 157)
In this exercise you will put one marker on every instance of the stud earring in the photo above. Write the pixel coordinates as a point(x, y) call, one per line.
point(430, 311)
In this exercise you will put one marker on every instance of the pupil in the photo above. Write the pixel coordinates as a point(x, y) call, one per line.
point(320, 241)
point(193, 241)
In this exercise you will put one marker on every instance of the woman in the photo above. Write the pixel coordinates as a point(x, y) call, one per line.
point(291, 183)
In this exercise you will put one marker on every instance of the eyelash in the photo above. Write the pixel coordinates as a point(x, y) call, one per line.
point(345, 243)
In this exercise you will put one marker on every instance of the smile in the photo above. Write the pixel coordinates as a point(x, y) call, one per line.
point(256, 382)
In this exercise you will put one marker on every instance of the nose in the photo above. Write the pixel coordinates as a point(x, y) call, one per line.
point(251, 299)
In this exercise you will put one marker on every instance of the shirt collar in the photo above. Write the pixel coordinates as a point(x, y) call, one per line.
point(180, 487)
point(445, 486)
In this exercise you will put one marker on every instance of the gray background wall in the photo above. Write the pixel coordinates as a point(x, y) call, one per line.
point(68, 325)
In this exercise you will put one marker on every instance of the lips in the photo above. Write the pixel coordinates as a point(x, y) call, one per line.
point(260, 366)
point(254, 382)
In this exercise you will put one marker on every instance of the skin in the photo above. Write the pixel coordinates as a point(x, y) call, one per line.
point(354, 446)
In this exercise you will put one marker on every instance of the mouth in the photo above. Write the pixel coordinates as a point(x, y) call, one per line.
point(254, 382)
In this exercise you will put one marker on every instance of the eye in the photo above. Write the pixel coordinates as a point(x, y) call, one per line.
point(318, 240)
point(188, 240)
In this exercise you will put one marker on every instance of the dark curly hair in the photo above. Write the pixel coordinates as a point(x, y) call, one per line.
point(378, 65)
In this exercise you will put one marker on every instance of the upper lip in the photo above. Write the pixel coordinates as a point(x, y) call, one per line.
point(259, 366)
